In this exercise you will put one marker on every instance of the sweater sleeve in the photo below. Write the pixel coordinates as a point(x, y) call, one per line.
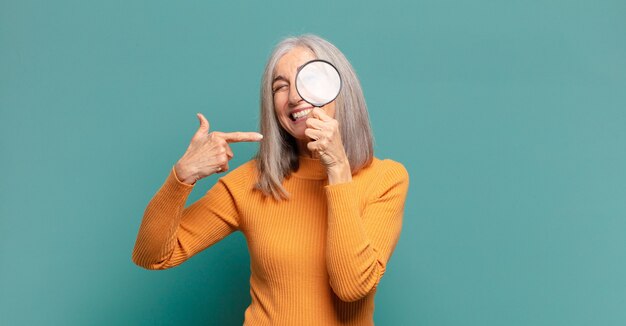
point(170, 234)
point(359, 243)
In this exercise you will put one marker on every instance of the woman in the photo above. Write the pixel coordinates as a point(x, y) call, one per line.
point(321, 215)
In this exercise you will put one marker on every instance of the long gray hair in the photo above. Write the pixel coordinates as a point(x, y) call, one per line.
point(278, 154)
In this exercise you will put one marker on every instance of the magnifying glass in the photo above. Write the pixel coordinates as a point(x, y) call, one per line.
point(318, 82)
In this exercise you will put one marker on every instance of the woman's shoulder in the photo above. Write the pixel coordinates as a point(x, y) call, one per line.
point(387, 168)
point(381, 176)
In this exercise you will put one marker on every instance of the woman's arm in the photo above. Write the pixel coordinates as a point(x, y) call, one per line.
point(170, 234)
point(359, 245)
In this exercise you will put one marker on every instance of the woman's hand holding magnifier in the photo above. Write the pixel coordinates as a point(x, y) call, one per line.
point(209, 153)
point(326, 143)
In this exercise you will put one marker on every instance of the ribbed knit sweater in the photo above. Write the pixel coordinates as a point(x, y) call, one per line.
point(315, 259)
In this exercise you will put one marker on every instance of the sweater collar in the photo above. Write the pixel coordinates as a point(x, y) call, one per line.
point(310, 168)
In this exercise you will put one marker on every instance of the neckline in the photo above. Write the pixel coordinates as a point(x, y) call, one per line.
point(310, 168)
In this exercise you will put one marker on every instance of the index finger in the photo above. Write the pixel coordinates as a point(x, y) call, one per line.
point(238, 136)
point(320, 114)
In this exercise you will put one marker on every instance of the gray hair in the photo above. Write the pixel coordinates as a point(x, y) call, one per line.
point(278, 153)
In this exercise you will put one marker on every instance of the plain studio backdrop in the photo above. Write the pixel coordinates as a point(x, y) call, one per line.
point(509, 116)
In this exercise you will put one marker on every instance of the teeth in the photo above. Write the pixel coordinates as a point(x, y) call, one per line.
point(300, 114)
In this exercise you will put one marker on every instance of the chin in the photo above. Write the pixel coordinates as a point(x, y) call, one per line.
point(300, 137)
point(297, 133)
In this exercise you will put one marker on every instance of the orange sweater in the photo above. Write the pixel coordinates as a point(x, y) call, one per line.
point(316, 258)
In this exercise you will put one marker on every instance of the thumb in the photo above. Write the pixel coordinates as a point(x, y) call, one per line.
point(204, 124)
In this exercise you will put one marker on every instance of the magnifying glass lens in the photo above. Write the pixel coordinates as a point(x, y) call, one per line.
point(318, 82)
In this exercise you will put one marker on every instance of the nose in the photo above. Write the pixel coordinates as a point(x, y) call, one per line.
point(294, 97)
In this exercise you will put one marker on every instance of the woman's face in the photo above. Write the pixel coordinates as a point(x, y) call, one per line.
point(291, 109)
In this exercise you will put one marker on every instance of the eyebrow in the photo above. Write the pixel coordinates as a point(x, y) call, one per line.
point(279, 77)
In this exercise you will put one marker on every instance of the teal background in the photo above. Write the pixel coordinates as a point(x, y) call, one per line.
point(509, 116)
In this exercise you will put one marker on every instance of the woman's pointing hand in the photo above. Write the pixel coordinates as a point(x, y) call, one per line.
point(209, 153)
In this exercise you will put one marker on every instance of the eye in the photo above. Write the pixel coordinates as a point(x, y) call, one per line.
point(279, 88)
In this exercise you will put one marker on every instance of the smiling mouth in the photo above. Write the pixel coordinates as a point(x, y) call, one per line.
point(300, 114)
